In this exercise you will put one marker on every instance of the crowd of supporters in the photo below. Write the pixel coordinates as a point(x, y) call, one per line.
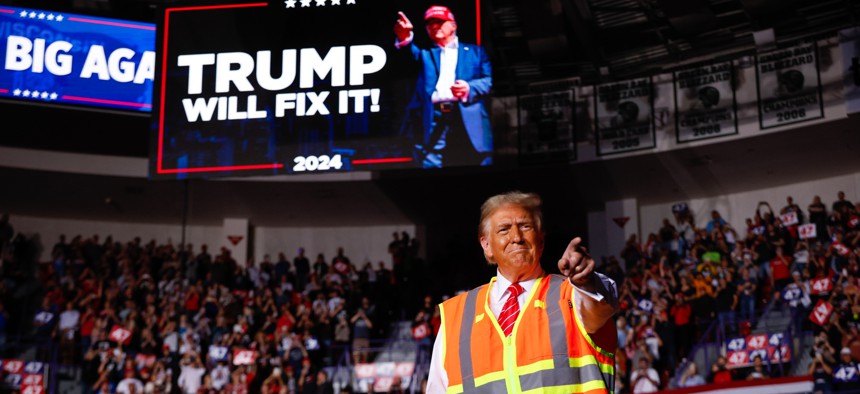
point(687, 275)
point(298, 315)
point(163, 318)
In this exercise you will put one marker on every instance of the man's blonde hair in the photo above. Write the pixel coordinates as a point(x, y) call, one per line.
point(530, 201)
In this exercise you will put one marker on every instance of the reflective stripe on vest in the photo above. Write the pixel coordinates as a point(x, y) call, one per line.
point(561, 373)
point(579, 371)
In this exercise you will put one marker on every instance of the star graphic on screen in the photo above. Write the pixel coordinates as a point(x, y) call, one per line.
point(320, 3)
point(51, 17)
point(60, 18)
point(22, 14)
point(290, 3)
point(16, 92)
point(41, 15)
point(335, 2)
point(306, 3)
point(54, 95)
point(32, 15)
point(350, 1)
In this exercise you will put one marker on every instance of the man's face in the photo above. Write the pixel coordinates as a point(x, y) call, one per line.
point(511, 240)
point(440, 31)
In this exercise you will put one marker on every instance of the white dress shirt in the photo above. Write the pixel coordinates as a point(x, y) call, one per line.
point(437, 381)
point(447, 69)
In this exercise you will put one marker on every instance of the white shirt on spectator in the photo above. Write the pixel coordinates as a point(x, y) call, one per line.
point(69, 319)
point(254, 275)
point(645, 385)
point(220, 376)
point(189, 378)
point(123, 386)
point(334, 302)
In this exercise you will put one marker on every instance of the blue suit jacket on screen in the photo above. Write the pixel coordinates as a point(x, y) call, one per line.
point(473, 66)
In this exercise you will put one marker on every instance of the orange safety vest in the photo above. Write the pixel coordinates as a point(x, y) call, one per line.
point(548, 351)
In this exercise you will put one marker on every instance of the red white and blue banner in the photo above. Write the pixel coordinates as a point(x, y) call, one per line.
point(741, 351)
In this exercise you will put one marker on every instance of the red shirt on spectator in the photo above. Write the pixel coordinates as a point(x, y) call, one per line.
point(286, 320)
point(681, 313)
point(779, 266)
point(192, 301)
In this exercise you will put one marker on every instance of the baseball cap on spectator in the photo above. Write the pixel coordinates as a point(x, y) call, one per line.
point(439, 12)
point(845, 351)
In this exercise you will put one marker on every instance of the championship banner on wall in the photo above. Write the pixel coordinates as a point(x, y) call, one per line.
point(849, 43)
point(625, 116)
point(789, 86)
point(705, 105)
point(546, 128)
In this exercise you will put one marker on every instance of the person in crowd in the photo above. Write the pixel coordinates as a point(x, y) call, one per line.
point(644, 378)
point(362, 324)
point(691, 376)
point(759, 370)
point(191, 377)
point(95, 284)
point(822, 375)
point(841, 205)
point(720, 373)
point(511, 236)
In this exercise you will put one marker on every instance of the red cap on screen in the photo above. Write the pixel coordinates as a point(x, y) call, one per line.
point(439, 12)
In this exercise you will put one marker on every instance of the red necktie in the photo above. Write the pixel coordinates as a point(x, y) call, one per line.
point(511, 309)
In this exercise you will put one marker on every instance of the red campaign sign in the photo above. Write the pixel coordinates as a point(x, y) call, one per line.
point(120, 335)
point(383, 384)
point(13, 366)
point(737, 359)
point(774, 355)
point(363, 371)
point(33, 380)
point(144, 360)
point(843, 250)
point(807, 231)
point(821, 312)
point(758, 341)
point(788, 218)
point(27, 389)
point(341, 267)
point(821, 286)
point(244, 357)
point(420, 331)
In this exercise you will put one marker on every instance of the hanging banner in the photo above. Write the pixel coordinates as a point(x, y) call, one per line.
point(625, 116)
point(849, 43)
point(546, 128)
point(789, 86)
point(705, 105)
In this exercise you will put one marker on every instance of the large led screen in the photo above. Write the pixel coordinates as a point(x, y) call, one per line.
point(307, 86)
point(51, 57)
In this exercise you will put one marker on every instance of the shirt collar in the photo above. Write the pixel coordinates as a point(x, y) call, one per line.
point(500, 290)
point(454, 44)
